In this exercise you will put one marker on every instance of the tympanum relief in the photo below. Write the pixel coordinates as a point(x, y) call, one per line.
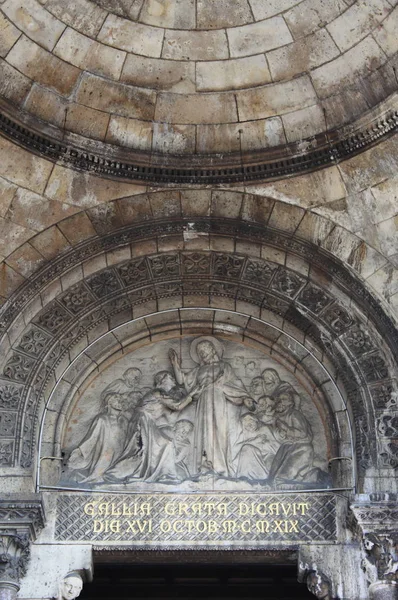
point(195, 414)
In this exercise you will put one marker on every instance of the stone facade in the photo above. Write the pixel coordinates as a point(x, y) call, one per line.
point(198, 201)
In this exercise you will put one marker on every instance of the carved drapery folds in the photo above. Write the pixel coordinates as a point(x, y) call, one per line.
point(20, 523)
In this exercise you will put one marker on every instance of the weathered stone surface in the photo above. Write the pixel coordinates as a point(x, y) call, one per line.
point(23, 168)
point(214, 14)
point(126, 101)
point(8, 35)
point(130, 133)
point(133, 37)
point(258, 37)
point(302, 56)
point(179, 14)
point(329, 78)
point(185, 109)
point(232, 74)
point(354, 24)
point(38, 24)
point(310, 15)
point(43, 67)
point(85, 53)
point(13, 85)
point(195, 45)
point(82, 15)
point(167, 75)
point(276, 99)
point(86, 121)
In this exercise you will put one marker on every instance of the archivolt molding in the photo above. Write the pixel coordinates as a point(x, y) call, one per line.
point(338, 322)
point(110, 161)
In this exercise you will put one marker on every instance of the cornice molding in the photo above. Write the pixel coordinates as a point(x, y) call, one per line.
point(110, 161)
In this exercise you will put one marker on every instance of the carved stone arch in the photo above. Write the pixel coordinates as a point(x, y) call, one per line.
point(309, 294)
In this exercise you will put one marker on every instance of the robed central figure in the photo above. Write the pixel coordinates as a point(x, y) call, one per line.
point(220, 396)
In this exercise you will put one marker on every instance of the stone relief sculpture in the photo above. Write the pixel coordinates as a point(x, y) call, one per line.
point(71, 586)
point(199, 425)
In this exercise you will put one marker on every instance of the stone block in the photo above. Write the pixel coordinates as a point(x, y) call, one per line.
point(88, 55)
point(25, 260)
point(330, 78)
point(214, 14)
point(258, 37)
point(195, 203)
point(357, 21)
point(171, 14)
point(133, 37)
point(83, 15)
point(173, 139)
point(130, 133)
point(302, 124)
point(22, 167)
point(314, 228)
point(264, 10)
point(190, 109)
point(165, 204)
point(286, 217)
point(276, 99)
point(260, 134)
point(7, 192)
point(46, 105)
point(8, 35)
point(226, 204)
point(159, 74)
point(86, 121)
point(82, 189)
point(127, 101)
point(36, 212)
point(12, 236)
point(386, 36)
point(43, 67)
point(256, 208)
point(195, 45)
point(13, 85)
point(134, 209)
point(105, 217)
point(218, 138)
point(10, 280)
point(303, 55)
point(77, 228)
point(232, 74)
point(371, 167)
point(310, 15)
point(307, 190)
point(50, 243)
point(36, 22)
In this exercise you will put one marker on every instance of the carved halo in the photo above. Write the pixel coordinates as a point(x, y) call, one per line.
point(205, 338)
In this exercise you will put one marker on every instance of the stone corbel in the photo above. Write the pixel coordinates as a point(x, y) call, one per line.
point(21, 519)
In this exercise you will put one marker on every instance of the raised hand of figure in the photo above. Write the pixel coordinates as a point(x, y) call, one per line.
point(174, 357)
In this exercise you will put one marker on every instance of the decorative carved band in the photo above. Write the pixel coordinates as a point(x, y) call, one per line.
point(265, 165)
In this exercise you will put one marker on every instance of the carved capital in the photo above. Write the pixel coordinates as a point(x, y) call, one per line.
point(376, 519)
point(21, 520)
point(14, 557)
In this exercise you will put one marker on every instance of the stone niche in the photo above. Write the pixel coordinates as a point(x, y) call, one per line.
point(196, 414)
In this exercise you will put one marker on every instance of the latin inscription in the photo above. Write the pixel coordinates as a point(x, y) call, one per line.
point(183, 519)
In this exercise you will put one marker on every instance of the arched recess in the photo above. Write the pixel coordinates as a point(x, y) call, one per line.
point(287, 294)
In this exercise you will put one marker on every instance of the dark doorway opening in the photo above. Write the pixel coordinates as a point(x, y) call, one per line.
point(199, 581)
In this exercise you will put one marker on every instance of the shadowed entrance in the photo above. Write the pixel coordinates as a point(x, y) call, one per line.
point(185, 581)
